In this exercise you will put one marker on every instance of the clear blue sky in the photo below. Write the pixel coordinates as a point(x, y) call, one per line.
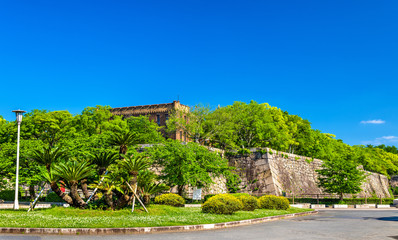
point(331, 62)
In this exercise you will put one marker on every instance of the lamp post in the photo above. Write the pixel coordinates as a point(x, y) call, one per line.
point(19, 113)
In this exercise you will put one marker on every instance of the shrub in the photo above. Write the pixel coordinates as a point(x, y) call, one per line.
point(206, 197)
point(222, 204)
point(237, 195)
point(8, 195)
point(274, 202)
point(249, 202)
point(170, 199)
point(53, 197)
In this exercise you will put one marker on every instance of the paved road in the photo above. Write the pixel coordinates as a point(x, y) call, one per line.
point(347, 224)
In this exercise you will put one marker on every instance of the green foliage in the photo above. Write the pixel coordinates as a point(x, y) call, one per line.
point(145, 131)
point(273, 202)
point(222, 204)
point(53, 197)
point(244, 151)
point(8, 195)
point(187, 164)
point(341, 176)
point(170, 199)
point(206, 197)
point(233, 180)
point(262, 151)
point(249, 202)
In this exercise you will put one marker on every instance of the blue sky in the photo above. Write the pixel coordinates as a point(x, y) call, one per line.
point(331, 62)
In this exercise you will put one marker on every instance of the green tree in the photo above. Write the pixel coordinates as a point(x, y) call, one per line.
point(341, 175)
point(145, 131)
point(72, 172)
point(123, 140)
point(187, 164)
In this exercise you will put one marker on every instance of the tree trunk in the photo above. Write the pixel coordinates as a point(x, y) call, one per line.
point(180, 190)
point(109, 199)
point(122, 150)
point(341, 197)
point(147, 200)
point(32, 192)
point(83, 183)
point(122, 201)
point(64, 196)
point(75, 195)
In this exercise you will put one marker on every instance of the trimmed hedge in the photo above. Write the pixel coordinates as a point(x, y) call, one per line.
point(170, 199)
point(9, 195)
point(274, 202)
point(249, 202)
point(222, 204)
point(206, 197)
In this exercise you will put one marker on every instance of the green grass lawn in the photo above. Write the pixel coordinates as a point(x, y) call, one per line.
point(159, 215)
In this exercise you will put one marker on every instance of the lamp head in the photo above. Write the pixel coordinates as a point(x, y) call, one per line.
point(19, 113)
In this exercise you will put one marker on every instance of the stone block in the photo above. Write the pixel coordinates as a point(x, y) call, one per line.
point(371, 205)
point(382, 206)
point(297, 205)
point(313, 206)
point(340, 206)
point(361, 206)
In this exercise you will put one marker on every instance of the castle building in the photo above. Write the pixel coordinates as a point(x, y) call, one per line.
point(158, 113)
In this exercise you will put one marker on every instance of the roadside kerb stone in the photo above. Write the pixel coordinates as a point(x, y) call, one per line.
point(104, 231)
point(361, 206)
point(340, 206)
point(297, 205)
point(313, 206)
point(382, 206)
point(193, 205)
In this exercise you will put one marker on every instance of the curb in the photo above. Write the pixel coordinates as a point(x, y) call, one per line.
point(107, 231)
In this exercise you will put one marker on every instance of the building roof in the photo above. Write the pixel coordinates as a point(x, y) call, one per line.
point(148, 109)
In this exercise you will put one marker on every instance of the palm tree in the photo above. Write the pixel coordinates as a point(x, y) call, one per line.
point(150, 188)
point(53, 179)
point(72, 172)
point(147, 185)
point(103, 160)
point(47, 156)
point(123, 140)
point(133, 165)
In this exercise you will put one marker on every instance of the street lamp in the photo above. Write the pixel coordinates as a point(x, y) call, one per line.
point(19, 113)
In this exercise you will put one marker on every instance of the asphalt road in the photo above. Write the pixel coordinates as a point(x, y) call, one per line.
point(340, 224)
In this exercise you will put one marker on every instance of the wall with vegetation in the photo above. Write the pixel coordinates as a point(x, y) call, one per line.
point(267, 171)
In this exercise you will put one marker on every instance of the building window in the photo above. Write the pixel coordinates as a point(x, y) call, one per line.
point(181, 135)
point(167, 116)
point(158, 119)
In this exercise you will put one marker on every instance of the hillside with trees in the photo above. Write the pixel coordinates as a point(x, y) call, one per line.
point(242, 126)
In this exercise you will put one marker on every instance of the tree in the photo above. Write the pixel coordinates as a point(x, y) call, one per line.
point(72, 172)
point(123, 140)
point(187, 164)
point(197, 123)
point(341, 175)
point(146, 131)
point(47, 156)
point(148, 185)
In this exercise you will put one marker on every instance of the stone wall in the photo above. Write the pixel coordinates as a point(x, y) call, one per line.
point(266, 171)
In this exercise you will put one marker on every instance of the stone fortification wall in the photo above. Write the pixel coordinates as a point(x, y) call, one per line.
point(266, 171)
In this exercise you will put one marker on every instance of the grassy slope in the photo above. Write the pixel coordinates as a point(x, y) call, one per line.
point(59, 217)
